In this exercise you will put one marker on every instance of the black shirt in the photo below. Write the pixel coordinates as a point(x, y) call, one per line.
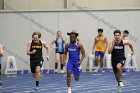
point(37, 57)
point(118, 53)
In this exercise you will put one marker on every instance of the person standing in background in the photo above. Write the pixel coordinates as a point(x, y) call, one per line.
point(59, 51)
point(100, 45)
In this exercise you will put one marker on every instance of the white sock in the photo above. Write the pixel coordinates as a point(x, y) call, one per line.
point(68, 88)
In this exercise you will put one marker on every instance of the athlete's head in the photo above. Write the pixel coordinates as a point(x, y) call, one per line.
point(73, 36)
point(117, 35)
point(100, 32)
point(36, 36)
point(58, 34)
point(125, 33)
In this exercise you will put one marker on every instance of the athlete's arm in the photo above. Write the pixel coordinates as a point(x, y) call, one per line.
point(52, 43)
point(64, 45)
point(28, 49)
point(94, 43)
point(47, 48)
point(126, 42)
point(111, 45)
point(1, 50)
point(122, 37)
point(80, 46)
point(106, 42)
point(65, 53)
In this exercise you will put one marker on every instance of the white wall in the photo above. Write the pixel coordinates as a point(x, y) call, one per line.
point(36, 4)
point(16, 29)
point(105, 4)
point(60, 4)
point(1, 4)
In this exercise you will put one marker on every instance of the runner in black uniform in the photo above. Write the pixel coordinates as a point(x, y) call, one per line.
point(34, 49)
point(116, 49)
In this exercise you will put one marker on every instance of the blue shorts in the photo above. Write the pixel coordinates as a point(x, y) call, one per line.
point(73, 67)
point(99, 53)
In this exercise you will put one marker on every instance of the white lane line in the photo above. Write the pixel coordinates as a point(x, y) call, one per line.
point(129, 79)
point(90, 82)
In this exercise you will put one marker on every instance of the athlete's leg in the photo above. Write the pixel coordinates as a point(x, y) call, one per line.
point(101, 59)
point(114, 65)
point(96, 61)
point(101, 62)
point(37, 73)
point(119, 77)
point(69, 69)
point(32, 67)
point(57, 59)
point(37, 76)
point(68, 78)
point(76, 71)
point(62, 62)
point(119, 72)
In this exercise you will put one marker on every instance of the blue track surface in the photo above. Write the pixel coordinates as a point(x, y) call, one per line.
point(56, 83)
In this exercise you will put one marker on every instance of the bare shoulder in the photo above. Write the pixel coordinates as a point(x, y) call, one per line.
point(43, 42)
point(80, 45)
point(125, 41)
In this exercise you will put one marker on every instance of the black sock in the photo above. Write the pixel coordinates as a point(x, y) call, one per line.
point(37, 83)
point(120, 80)
point(56, 65)
point(61, 66)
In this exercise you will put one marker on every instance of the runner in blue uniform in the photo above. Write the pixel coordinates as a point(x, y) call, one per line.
point(74, 60)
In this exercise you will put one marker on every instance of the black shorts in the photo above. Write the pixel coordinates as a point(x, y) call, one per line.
point(59, 52)
point(114, 65)
point(33, 66)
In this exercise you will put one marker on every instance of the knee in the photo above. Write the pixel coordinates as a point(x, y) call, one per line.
point(119, 68)
point(96, 58)
point(68, 74)
point(38, 70)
